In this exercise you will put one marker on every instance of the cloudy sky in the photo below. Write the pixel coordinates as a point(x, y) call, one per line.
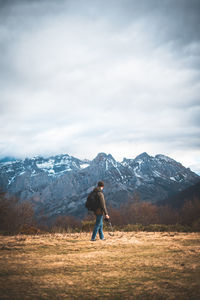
point(114, 76)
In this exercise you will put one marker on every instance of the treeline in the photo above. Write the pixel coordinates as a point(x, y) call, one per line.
point(145, 214)
point(18, 217)
point(15, 215)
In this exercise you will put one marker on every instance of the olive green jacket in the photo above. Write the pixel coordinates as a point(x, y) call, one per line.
point(102, 203)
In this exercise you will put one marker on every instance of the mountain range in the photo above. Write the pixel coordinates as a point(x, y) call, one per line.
point(59, 184)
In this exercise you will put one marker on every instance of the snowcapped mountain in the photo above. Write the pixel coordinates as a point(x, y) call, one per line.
point(54, 166)
point(60, 184)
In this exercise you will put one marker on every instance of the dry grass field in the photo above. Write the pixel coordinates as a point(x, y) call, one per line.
point(134, 265)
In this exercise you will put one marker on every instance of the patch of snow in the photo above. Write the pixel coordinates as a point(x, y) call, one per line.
point(11, 180)
point(83, 166)
point(21, 173)
point(135, 171)
point(72, 205)
point(9, 169)
point(137, 168)
point(6, 163)
point(74, 164)
point(49, 166)
point(165, 158)
point(156, 173)
point(46, 165)
point(114, 163)
point(127, 163)
point(63, 171)
point(137, 175)
point(33, 173)
point(67, 169)
point(140, 161)
point(119, 172)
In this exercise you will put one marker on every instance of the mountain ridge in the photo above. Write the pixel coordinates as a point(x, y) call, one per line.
point(59, 184)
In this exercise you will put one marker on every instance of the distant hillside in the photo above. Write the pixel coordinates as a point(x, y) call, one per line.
point(59, 184)
point(178, 200)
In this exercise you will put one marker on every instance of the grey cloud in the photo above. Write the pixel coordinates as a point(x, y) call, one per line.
point(80, 76)
point(194, 116)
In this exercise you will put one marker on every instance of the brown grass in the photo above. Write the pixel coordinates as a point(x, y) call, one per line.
point(133, 265)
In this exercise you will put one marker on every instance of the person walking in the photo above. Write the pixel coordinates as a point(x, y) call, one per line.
point(99, 212)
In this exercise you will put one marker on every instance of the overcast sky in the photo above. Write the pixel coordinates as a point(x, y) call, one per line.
point(114, 76)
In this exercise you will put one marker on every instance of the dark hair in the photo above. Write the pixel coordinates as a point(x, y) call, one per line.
point(100, 183)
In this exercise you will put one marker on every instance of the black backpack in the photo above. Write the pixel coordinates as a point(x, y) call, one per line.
point(92, 202)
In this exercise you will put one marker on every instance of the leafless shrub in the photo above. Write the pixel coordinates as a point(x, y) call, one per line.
point(14, 215)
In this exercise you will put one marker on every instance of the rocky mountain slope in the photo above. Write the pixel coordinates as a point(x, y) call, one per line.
point(60, 184)
point(192, 194)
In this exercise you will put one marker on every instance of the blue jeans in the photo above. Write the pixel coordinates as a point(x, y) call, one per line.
point(98, 227)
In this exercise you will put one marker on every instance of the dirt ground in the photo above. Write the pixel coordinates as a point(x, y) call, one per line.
point(133, 265)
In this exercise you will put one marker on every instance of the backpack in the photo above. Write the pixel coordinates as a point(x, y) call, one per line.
point(92, 202)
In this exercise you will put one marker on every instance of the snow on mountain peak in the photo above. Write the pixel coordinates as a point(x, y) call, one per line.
point(84, 165)
point(142, 156)
point(165, 158)
point(152, 177)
